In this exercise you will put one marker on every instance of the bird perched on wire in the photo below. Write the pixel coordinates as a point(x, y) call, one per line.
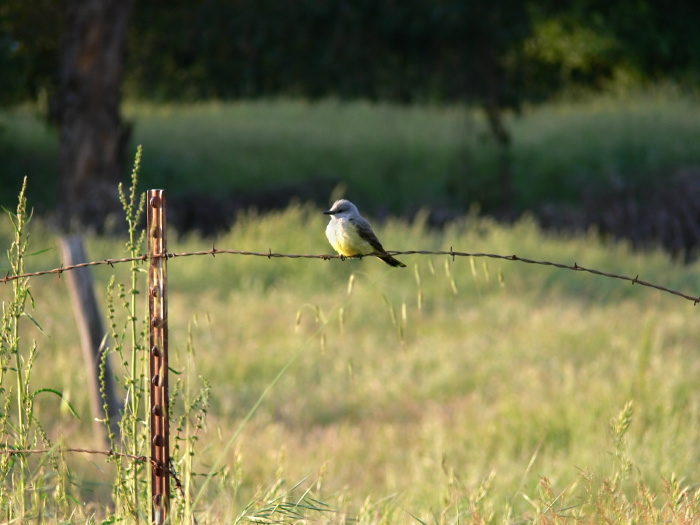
point(350, 234)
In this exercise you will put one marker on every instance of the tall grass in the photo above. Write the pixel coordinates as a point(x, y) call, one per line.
point(465, 391)
point(391, 158)
point(29, 488)
point(402, 158)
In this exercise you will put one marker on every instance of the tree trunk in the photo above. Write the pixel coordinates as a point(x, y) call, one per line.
point(93, 136)
point(503, 138)
point(93, 336)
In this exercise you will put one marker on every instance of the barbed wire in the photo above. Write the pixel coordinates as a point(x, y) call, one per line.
point(108, 453)
point(111, 453)
point(213, 251)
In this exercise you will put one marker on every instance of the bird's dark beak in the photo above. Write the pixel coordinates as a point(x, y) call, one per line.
point(329, 212)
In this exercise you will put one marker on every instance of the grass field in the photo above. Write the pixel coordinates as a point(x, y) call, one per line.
point(452, 391)
point(390, 158)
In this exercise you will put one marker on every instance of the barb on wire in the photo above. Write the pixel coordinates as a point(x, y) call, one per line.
point(273, 255)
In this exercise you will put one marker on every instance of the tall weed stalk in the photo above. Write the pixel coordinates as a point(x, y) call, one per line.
point(129, 334)
point(25, 490)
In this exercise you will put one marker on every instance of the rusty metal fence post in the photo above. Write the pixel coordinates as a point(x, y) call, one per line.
point(158, 345)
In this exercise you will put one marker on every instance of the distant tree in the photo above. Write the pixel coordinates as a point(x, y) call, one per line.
point(86, 108)
point(73, 54)
point(29, 34)
point(591, 43)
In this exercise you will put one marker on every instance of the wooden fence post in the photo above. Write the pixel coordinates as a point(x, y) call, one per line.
point(158, 345)
point(92, 332)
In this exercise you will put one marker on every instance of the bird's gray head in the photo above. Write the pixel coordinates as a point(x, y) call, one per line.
point(342, 207)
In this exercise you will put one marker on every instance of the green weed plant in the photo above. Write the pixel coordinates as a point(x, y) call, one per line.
point(32, 486)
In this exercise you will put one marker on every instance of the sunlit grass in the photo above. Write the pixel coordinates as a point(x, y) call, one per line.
point(446, 391)
point(568, 151)
point(392, 159)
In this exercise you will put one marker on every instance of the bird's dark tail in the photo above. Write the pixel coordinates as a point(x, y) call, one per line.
point(391, 261)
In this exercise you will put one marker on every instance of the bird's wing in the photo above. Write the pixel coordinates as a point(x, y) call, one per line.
point(365, 231)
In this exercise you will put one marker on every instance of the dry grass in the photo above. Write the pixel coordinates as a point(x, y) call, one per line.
point(464, 391)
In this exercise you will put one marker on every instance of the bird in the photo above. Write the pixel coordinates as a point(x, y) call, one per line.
point(351, 235)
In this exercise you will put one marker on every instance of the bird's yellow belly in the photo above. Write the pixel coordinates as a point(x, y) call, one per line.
point(346, 241)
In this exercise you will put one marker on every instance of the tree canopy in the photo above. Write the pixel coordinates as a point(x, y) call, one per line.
point(404, 50)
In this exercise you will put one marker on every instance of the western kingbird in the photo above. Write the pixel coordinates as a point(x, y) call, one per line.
point(350, 234)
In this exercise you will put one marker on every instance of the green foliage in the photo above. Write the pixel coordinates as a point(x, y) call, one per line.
point(413, 50)
point(188, 425)
point(29, 40)
point(391, 159)
point(130, 489)
point(502, 52)
point(27, 485)
point(28, 145)
point(653, 40)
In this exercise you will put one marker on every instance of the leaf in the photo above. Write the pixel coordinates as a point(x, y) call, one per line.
point(59, 394)
point(38, 253)
point(31, 318)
